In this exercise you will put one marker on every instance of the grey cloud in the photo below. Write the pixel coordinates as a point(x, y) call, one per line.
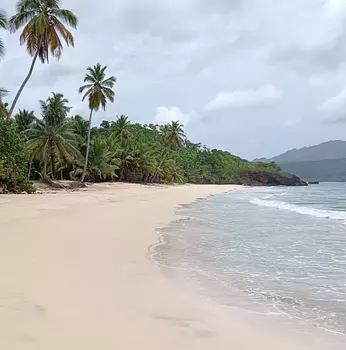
point(305, 60)
point(179, 55)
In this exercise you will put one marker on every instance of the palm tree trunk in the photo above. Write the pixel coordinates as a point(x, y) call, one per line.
point(45, 169)
point(88, 147)
point(24, 83)
point(29, 172)
point(52, 175)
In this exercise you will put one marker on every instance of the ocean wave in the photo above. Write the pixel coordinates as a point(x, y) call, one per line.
point(320, 213)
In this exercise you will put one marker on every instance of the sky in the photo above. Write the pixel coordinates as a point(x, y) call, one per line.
point(254, 77)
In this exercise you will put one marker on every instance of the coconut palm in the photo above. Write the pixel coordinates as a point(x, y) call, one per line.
point(51, 139)
point(55, 108)
point(120, 128)
point(102, 162)
point(3, 25)
point(173, 134)
point(44, 29)
point(98, 90)
point(3, 92)
point(80, 127)
point(24, 119)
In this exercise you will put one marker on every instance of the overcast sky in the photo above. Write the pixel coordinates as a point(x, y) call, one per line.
point(255, 77)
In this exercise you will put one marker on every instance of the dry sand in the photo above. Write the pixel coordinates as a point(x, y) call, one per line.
point(74, 275)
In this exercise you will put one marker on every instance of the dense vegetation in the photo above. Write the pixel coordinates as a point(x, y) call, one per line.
point(60, 145)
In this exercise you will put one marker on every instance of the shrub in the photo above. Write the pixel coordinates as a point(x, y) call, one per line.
point(13, 159)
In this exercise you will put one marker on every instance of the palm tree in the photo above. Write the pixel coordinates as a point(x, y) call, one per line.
point(120, 128)
point(173, 134)
point(102, 162)
point(3, 92)
point(98, 90)
point(51, 138)
point(43, 22)
point(55, 108)
point(24, 119)
point(3, 25)
point(80, 127)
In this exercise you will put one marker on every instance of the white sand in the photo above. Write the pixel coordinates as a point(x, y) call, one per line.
point(74, 276)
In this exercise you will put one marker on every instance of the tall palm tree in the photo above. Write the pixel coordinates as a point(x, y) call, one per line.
point(173, 134)
point(3, 92)
point(24, 119)
point(44, 27)
point(3, 25)
point(120, 128)
point(98, 90)
point(51, 138)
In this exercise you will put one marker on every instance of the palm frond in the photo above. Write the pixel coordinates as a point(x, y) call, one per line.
point(84, 87)
point(20, 19)
point(109, 82)
point(3, 19)
point(67, 17)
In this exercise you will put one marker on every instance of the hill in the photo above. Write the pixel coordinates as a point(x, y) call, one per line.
point(325, 162)
point(326, 150)
point(328, 170)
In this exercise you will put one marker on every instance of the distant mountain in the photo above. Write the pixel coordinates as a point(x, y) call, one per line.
point(324, 162)
point(323, 151)
point(328, 170)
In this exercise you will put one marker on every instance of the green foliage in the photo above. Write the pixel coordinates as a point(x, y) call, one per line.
point(51, 140)
point(172, 134)
point(122, 151)
point(3, 25)
point(24, 119)
point(3, 105)
point(13, 159)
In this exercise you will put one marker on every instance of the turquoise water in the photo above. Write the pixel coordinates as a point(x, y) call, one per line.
point(277, 251)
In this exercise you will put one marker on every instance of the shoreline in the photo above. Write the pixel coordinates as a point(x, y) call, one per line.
point(76, 275)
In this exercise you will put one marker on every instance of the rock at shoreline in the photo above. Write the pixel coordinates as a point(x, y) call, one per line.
point(268, 178)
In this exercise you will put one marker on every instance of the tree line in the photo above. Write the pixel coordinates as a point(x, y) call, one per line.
point(59, 145)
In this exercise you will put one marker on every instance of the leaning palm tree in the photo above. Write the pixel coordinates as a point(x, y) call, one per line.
point(98, 90)
point(43, 22)
point(3, 92)
point(51, 139)
point(3, 25)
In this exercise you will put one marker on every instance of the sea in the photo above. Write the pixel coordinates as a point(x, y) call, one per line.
point(278, 251)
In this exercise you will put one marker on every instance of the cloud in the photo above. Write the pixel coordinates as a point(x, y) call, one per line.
point(230, 50)
point(265, 95)
point(334, 108)
point(335, 9)
point(289, 123)
point(167, 115)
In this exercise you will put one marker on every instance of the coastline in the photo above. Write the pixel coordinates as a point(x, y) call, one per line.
point(75, 275)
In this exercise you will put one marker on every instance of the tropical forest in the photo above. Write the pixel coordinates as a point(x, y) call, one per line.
point(56, 144)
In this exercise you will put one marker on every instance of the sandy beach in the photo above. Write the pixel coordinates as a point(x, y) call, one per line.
point(75, 275)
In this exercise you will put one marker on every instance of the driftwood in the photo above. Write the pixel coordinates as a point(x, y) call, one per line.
point(68, 186)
